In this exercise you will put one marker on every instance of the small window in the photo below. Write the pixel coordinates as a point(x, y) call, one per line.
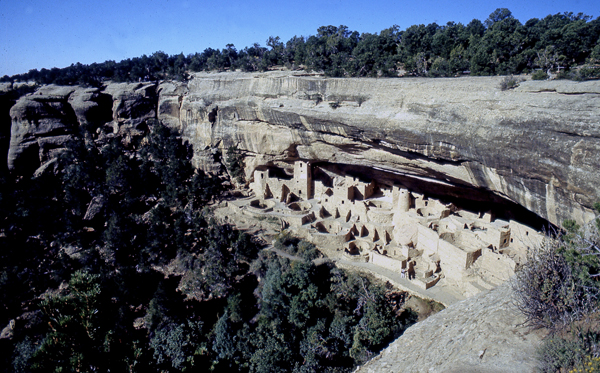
point(262, 176)
point(342, 202)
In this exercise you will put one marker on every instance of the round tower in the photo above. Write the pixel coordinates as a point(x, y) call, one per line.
point(404, 200)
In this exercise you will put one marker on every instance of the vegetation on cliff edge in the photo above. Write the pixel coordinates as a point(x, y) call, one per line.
point(559, 289)
point(501, 45)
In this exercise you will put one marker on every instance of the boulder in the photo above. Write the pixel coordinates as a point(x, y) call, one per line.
point(9, 94)
point(95, 207)
point(132, 105)
point(169, 103)
point(92, 107)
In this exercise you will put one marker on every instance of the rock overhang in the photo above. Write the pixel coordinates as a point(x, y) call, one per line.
point(535, 145)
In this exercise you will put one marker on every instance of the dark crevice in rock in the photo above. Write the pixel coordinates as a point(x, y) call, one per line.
point(54, 132)
point(102, 113)
point(212, 115)
point(414, 155)
point(577, 135)
point(578, 93)
point(29, 158)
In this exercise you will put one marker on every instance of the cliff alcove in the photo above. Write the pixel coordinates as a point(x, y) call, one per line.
point(441, 188)
point(535, 145)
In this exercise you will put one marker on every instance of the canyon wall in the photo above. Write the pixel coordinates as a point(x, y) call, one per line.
point(536, 145)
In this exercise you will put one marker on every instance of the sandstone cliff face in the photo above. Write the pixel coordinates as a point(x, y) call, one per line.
point(536, 145)
point(9, 94)
point(481, 334)
point(42, 122)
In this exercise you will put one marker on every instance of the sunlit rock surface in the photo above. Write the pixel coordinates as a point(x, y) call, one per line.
point(536, 145)
point(481, 334)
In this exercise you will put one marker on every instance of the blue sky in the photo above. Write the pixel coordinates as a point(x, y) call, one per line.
point(51, 33)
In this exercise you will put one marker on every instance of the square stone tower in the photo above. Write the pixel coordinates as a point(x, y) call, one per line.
point(260, 183)
point(303, 183)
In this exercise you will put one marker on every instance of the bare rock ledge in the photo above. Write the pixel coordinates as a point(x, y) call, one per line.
point(481, 334)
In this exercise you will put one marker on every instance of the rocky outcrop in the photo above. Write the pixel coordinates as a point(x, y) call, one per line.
point(169, 103)
point(9, 94)
point(132, 105)
point(42, 122)
point(535, 145)
point(481, 334)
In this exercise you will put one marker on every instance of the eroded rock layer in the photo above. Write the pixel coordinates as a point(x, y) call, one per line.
point(536, 145)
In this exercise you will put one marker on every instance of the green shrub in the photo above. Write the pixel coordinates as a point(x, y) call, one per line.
point(588, 73)
point(558, 352)
point(440, 67)
point(558, 284)
point(235, 164)
point(539, 75)
point(584, 73)
point(23, 352)
point(307, 250)
point(558, 289)
point(569, 350)
point(591, 364)
point(284, 241)
point(509, 82)
point(553, 288)
point(562, 74)
point(545, 289)
point(176, 344)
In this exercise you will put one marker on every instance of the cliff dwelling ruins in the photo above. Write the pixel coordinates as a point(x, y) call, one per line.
point(385, 223)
